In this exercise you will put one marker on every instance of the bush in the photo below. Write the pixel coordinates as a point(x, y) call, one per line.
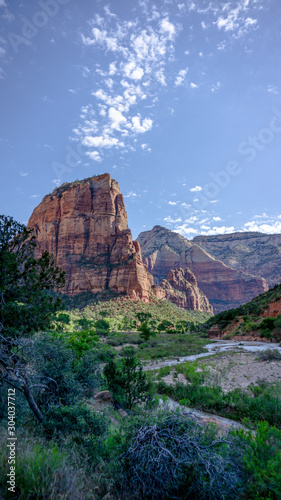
point(128, 351)
point(127, 381)
point(262, 462)
point(270, 355)
point(175, 457)
point(64, 420)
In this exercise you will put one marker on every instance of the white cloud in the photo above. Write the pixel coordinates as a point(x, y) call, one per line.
point(3, 3)
point(196, 189)
point(131, 194)
point(235, 19)
point(94, 155)
point(172, 202)
point(100, 141)
point(214, 201)
point(145, 147)
point(193, 85)
point(219, 230)
point(116, 118)
point(215, 87)
point(72, 91)
point(131, 70)
point(141, 127)
point(112, 68)
point(167, 28)
point(264, 224)
point(101, 37)
point(185, 230)
point(57, 182)
point(216, 219)
point(204, 25)
point(181, 77)
point(169, 220)
point(23, 174)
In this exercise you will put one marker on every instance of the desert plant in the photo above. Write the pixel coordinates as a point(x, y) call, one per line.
point(175, 457)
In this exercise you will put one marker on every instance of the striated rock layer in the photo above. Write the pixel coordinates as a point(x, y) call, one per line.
point(254, 253)
point(84, 225)
point(225, 288)
point(181, 288)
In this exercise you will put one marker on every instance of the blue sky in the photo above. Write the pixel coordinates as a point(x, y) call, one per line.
point(178, 100)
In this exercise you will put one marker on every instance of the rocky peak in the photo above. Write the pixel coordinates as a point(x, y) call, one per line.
point(84, 225)
point(181, 288)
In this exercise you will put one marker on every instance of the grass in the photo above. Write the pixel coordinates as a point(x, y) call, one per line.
point(165, 345)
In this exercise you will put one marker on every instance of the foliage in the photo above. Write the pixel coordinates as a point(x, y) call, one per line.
point(127, 381)
point(25, 282)
point(270, 355)
point(42, 471)
point(78, 420)
point(264, 404)
point(102, 327)
point(175, 457)
point(70, 376)
point(251, 311)
point(81, 341)
point(262, 462)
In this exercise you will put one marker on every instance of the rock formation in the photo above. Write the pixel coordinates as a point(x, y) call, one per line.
point(226, 288)
point(253, 253)
point(181, 288)
point(84, 225)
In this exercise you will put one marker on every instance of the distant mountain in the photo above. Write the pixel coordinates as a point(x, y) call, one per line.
point(254, 253)
point(225, 287)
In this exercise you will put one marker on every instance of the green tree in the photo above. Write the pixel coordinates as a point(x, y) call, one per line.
point(102, 327)
point(145, 328)
point(127, 381)
point(26, 303)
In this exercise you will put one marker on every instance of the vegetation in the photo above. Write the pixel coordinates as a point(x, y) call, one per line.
point(127, 381)
point(247, 318)
point(71, 446)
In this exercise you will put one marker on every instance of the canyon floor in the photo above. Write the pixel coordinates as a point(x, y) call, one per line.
point(233, 370)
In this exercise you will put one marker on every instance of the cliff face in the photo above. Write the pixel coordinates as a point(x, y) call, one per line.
point(181, 288)
point(226, 288)
point(254, 253)
point(84, 225)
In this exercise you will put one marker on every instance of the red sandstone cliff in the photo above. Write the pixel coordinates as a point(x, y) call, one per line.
point(84, 225)
point(181, 288)
point(226, 288)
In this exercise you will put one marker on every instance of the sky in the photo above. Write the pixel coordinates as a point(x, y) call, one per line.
point(178, 100)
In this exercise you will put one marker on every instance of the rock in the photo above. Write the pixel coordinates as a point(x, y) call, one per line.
point(181, 288)
point(84, 225)
point(225, 288)
point(104, 397)
point(215, 332)
point(251, 252)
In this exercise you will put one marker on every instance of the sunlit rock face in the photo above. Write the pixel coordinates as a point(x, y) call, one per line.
point(84, 225)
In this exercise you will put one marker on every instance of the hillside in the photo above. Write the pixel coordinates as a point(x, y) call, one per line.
point(259, 319)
